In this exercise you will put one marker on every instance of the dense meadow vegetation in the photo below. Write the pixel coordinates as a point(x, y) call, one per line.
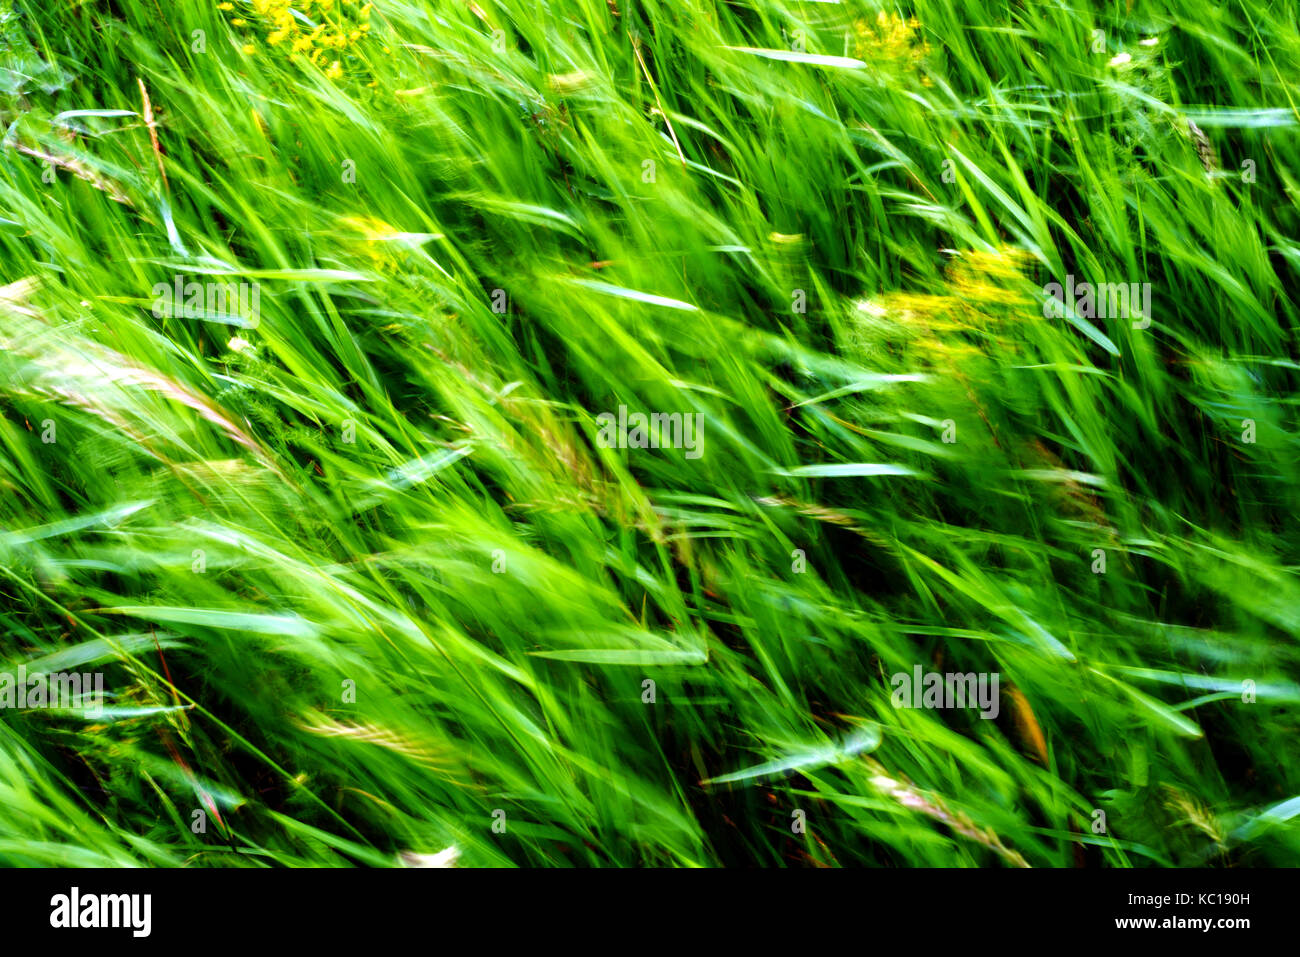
point(965, 337)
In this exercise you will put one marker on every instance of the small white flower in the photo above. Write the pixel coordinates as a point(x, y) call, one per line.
point(444, 858)
point(1120, 59)
point(238, 345)
point(1149, 42)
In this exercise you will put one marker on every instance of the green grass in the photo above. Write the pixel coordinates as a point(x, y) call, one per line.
point(826, 233)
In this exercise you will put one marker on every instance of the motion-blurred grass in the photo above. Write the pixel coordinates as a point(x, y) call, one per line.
point(823, 226)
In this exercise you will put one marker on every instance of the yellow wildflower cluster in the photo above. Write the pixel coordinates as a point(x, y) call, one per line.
point(321, 32)
point(892, 43)
point(983, 288)
point(989, 278)
point(368, 237)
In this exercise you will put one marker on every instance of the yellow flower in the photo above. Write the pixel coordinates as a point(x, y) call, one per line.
point(372, 229)
point(894, 41)
point(279, 22)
